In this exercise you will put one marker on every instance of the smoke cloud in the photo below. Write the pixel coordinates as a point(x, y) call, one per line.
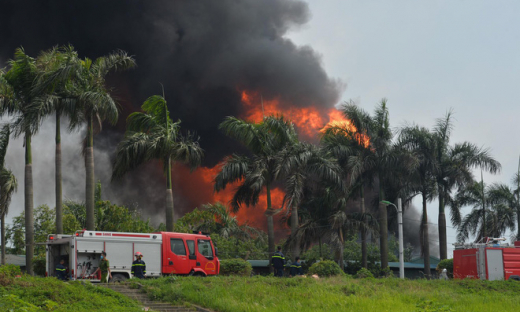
point(204, 52)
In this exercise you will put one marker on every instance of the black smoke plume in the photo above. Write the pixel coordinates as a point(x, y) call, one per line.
point(204, 52)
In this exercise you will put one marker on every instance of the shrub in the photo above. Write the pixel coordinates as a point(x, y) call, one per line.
point(10, 270)
point(326, 268)
point(235, 267)
point(446, 264)
point(364, 273)
point(39, 264)
point(386, 272)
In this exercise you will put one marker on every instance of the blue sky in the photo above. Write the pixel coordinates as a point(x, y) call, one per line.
point(427, 57)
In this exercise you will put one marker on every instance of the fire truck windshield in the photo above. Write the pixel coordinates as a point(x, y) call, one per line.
point(205, 248)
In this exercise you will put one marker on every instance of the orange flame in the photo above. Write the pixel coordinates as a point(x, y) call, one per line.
point(309, 120)
point(198, 186)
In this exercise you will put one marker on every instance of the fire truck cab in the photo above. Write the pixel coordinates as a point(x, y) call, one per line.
point(164, 253)
point(490, 260)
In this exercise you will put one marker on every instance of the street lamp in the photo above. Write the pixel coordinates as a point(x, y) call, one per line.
point(400, 222)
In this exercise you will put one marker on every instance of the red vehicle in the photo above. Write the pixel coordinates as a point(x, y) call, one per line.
point(165, 253)
point(487, 261)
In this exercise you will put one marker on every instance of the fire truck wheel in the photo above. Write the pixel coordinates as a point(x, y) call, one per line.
point(515, 278)
point(118, 278)
point(199, 274)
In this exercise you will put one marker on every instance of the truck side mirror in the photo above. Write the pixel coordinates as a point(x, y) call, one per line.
point(216, 251)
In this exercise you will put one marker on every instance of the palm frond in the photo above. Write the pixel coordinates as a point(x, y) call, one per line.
point(133, 150)
point(5, 133)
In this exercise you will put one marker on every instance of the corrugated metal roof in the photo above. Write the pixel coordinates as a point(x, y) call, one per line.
point(410, 265)
point(15, 259)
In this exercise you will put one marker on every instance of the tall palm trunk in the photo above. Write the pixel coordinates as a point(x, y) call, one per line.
point(443, 242)
point(518, 202)
point(169, 196)
point(383, 228)
point(89, 167)
point(294, 228)
point(29, 217)
point(270, 225)
point(426, 242)
point(364, 255)
point(341, 249)
point(3, 239)
point(484, 232)
point(59, 207)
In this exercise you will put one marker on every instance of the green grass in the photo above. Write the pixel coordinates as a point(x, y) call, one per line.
point(336, 294)
point(49, 294)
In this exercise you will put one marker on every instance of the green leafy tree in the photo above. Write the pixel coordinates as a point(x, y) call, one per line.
point(421, 143)
point(454, 165)
point(153, 135)
point(16, 95)
point(506, 196)
point(257, 172)
point(54, 82)
point(357, 159)
point(380, 161)
point(300, 164)
point(8, 185)
point(93, 98)
point(491, 215)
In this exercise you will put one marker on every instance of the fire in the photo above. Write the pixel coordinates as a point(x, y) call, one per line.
point(198, 188)
point(309, 120)
point(338, 121)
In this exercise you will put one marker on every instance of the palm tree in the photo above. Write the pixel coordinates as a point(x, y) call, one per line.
point(421, 142)
point(97, 105)
point(54, 81)
point(454, 164)
point(509, 197)
point(258, 171)
point(16, 96)
point(8, 184)
point(153, 135)
point(299, 164)
point(326, 218)
point(357, 159)
point(491, 214)
point(377, 164)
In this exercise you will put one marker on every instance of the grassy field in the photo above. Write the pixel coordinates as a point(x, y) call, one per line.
point(336, 294)
point(49, 294)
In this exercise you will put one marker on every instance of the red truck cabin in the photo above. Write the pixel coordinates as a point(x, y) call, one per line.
point(188, 254)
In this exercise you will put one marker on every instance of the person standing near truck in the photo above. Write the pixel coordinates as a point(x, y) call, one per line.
point(138, 266)
point(61, 271)
point(104, 267)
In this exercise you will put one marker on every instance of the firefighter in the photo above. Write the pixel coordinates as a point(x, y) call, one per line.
point(104, 267)
point(61, 271)
point(138, 266)
point(278, 262)
point(296, 267)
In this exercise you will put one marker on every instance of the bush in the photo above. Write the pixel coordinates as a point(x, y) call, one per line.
point(235, 267)
point(326, 268)
point(7, 273)
point(446, 264)
point(364, 273)
point(10, 270)
point(39, 264)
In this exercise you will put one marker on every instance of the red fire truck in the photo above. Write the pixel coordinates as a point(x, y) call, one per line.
point(164, 253)
point(490, 260)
